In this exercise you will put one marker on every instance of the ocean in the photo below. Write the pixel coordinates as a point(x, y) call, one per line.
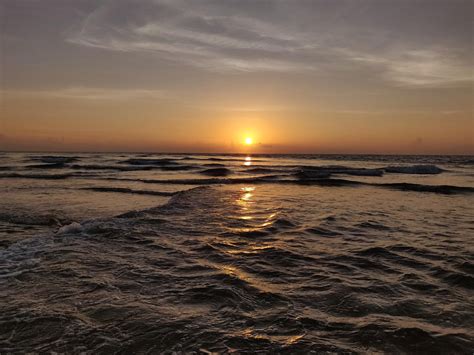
point(192, 253)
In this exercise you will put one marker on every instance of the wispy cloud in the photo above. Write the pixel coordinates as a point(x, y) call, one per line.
point(427, 67)
point(277, 36)
point(205, 36)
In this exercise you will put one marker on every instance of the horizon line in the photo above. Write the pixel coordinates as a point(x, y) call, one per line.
point(227, 153)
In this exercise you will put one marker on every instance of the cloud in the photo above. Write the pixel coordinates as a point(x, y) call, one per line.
point(427, 67)
point(212, 37)
point(287, 36)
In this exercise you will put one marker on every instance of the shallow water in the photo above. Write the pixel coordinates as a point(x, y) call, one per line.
point(130, 253)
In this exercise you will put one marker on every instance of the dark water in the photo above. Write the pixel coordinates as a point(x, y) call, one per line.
point(268, 254)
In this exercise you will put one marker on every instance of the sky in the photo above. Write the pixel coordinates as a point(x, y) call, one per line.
point(309, 76)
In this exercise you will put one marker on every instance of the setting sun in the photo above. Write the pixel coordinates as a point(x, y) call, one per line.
point(248, 140)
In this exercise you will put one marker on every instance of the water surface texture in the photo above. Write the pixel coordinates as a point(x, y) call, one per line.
point(146, 253)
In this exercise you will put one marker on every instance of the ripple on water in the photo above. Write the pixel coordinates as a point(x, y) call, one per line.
point(227, 269)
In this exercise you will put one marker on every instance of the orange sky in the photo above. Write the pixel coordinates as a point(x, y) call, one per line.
point(105, 77)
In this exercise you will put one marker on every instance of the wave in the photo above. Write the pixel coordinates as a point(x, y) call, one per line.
point(414, 169)
point(339, 169)
point(29, 219)
point(129, 191)
point(309, 171)
point(216, 172)
point(320, 231)
point(344, 170)
point(406, 159)
point(440, 189)
point(347, 170)
point(317, 180)
point(209, 181)
point(261, 170)
point(73, 227)
point(53, 159)
point(230, 159)
point(47, 166)
point(312, 174)
point(134, 168)
point(303, 178)
point(37, 176)
point(217, 169)
point(214, 165)
point(144, 161)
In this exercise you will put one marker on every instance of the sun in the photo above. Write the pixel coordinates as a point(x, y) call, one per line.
point(248, 141)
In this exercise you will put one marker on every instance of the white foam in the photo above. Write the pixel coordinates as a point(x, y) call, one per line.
point(74, 227)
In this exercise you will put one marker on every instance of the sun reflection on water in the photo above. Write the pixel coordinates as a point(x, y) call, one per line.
point(248, 161)
point(280, 338)
point(248, 211)
point(245, 198)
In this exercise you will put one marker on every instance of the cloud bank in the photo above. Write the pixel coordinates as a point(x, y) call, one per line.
point(379, 37)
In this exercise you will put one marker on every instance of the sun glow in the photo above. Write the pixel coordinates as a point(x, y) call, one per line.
point(248, 141)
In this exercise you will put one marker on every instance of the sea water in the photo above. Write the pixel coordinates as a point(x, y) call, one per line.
point(153, 253)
